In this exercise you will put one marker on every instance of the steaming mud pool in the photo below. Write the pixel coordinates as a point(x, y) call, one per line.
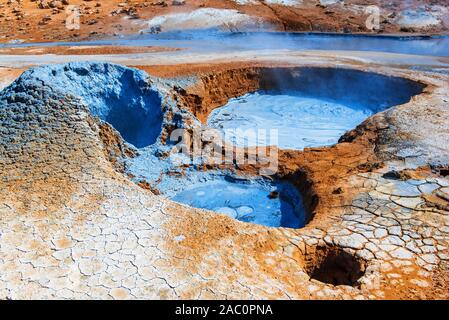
point(300, 121)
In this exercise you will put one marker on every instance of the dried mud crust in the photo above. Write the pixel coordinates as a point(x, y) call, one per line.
point(72, 226)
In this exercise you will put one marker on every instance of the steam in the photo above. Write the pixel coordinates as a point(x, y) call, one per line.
point(204, 18)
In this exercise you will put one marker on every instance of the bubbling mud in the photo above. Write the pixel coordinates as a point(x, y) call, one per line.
point(300, 121)
point(256, 201)
point(309, 107)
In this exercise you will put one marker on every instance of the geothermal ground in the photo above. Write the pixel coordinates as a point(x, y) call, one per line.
point(30, 21)
point(350, 200)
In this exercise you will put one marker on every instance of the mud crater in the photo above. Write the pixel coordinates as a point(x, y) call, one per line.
point(118, 95)
point(308, 106)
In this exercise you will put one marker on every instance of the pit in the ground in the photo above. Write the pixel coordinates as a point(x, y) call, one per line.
point(333, 265)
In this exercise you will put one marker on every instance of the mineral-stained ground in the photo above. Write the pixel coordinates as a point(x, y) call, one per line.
point(31, 20)
point(87, 168)
point(75, 225)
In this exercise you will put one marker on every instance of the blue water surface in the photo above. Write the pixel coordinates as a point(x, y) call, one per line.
point(216, 41)
point(248, 201)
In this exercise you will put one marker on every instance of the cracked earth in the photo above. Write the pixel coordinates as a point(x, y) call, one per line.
point(74, 225)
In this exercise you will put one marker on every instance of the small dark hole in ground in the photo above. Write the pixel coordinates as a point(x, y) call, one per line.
point(444, 172)
point(334, 266)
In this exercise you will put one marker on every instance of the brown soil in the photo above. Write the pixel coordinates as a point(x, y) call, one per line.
point(114, 148)
point(25, 20)
point(82, 50)
point(201, 69)
point(326, 172)
point(213, 90)
point(8, 75)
